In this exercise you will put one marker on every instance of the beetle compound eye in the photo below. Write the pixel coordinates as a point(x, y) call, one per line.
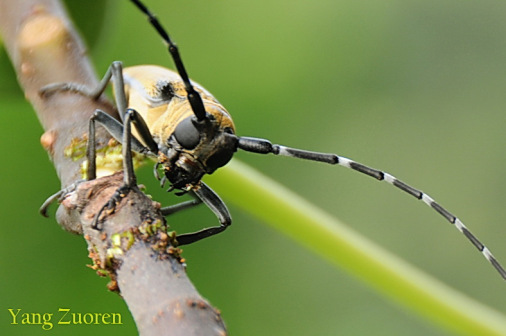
point(187, 135)
point(222, 156)
point(219, 159)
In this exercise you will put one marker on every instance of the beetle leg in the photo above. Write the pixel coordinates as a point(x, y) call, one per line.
point(213, 202)
point(91, 149)
point(116, 129)
point(128, 166)
point(57, 196)
point(169, 210)
point(143, 130)
point(129, 179)
point(115, 199)
point(114, 73)
point(80, 88)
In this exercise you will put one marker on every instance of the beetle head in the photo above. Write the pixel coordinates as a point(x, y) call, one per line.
point(196, 148)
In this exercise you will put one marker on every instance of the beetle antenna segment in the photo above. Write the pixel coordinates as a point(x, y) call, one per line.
point(262, 146)
point(193, 96)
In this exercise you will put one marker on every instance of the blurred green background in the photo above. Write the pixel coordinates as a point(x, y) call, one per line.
point(416, 88)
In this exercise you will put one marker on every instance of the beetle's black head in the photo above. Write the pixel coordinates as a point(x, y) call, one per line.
point(197, 148)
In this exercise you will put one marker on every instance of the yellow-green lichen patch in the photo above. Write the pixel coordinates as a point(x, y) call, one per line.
point(120, 243)
point(150, 227)
point(152, 232)
point(109, 157)
point(164, 242)
point(98, 266)
point(77, 148)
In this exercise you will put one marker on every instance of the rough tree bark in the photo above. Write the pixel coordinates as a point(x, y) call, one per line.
point(134, 248)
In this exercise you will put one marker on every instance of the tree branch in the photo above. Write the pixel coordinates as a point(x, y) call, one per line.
point(134, 247)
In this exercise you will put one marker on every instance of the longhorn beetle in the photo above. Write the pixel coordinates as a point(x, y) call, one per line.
point(190, 134)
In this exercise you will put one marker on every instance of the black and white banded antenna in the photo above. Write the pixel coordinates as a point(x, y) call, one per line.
point(193, 96)
point(266, 147)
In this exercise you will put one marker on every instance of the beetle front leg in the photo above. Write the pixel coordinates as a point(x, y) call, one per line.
point(115, 129)
point(129, 179)
point(171, 209)
point(59, 196)
point(213, 202)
